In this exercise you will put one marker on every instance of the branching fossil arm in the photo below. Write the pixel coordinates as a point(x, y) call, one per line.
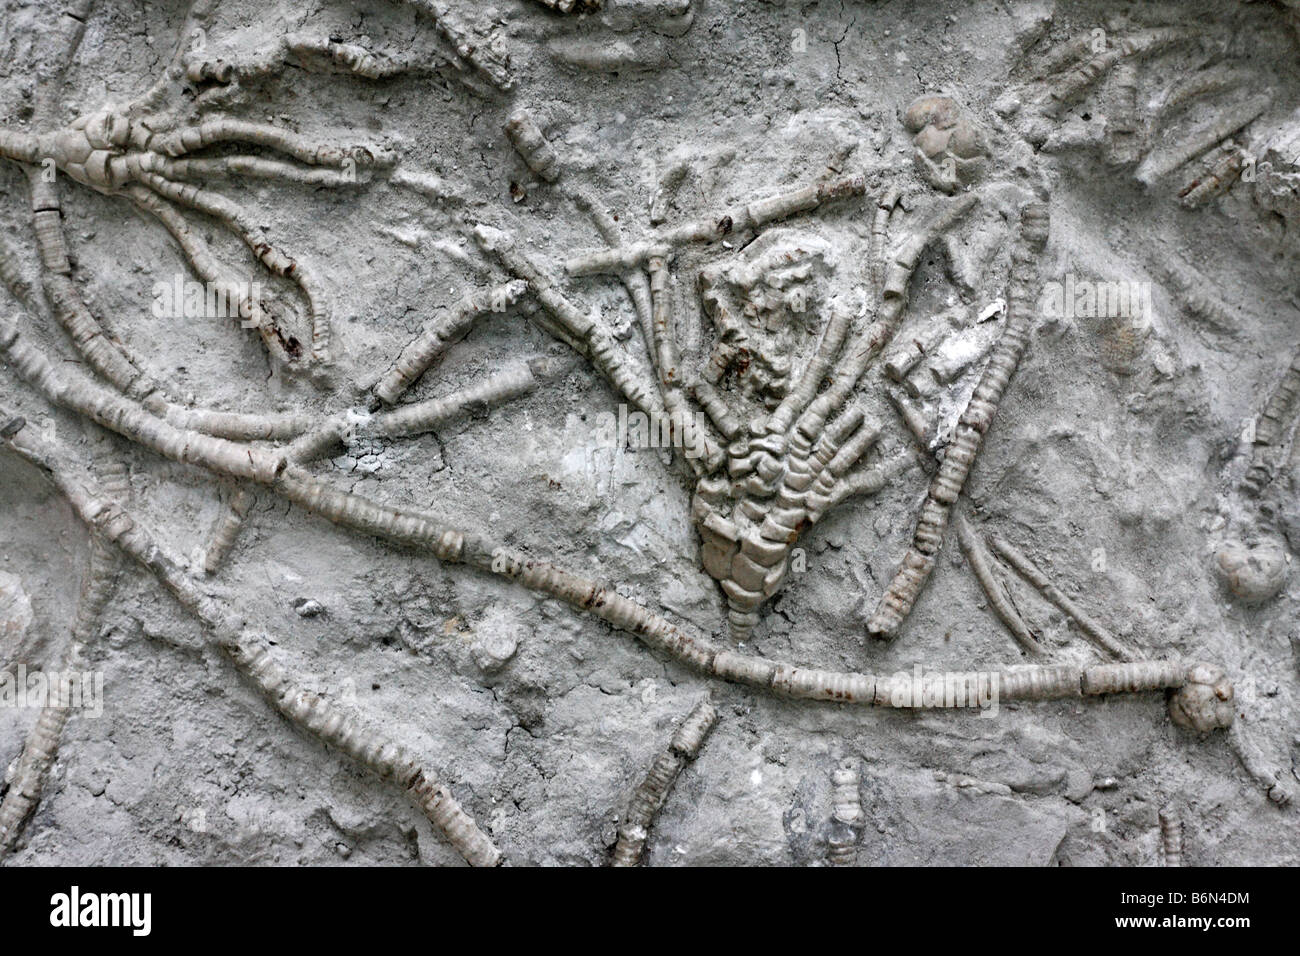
point(1035, 576)
point(981, 565)
point(210, 269)
point(429, 533)
point(667, 362)
point(651, 793)
point(332, 724)
point(441, 334)
point(713, 228)
point(580, 331)
point(42, 743)
point(869, 481)
point(91, 342)
point(863, 348)
point(815, 372)
point(281, 344)
point(897, 601)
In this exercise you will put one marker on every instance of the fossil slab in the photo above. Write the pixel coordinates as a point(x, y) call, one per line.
point(427, 429)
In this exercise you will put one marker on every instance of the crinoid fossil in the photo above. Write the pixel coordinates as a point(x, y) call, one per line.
point(761, 293)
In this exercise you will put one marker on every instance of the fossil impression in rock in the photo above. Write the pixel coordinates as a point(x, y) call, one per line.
point(745, 319)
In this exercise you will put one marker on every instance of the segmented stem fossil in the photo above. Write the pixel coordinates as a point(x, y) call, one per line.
point(982, 566)
point(905, 588)
point(332, 724)
point(1171, 836)
point(846, 813)
point(1030, 571)
point(649, 796)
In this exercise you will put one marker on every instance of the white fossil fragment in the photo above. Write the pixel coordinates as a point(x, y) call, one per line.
point(903, 590)
point(1254, 573)
point(1171, 836)
point(526, 137)
point(846, 813)
point(650, 794)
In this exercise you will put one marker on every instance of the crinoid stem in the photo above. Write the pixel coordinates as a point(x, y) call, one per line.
point(420, 417)
point(480, 56)
point(405, 421)
point(1126, 126)
point(332, 724)
point(1171, 836)
point(1221, 170)
point(447, 329)
point(905, 588)
point(1035, 576)
point(127, 418)
point(906, 355)
point(899, 268)
point(1074, 84)
point(225, 530)
point(1188, 286)
point(846, 813)
point(913, 418)
point(714, 228)
point(876, 256)
point(1064, 54)
point(1267, 776)
point(527, 139)
point(235, 426)
point(42, 743)
point(648, 798)
point(634, 280)
point(1208, 708)
point(14, 279)
point(789, 680)
point(88, 337)
point(579, 331)
point(233, 294)
point(982, 566)
point(1234, 119)
point(1215, 79)
point(348, 57)
point(667, 361)
point(1271, 426)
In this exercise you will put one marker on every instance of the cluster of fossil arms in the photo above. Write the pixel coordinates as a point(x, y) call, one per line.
point(760, 483)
